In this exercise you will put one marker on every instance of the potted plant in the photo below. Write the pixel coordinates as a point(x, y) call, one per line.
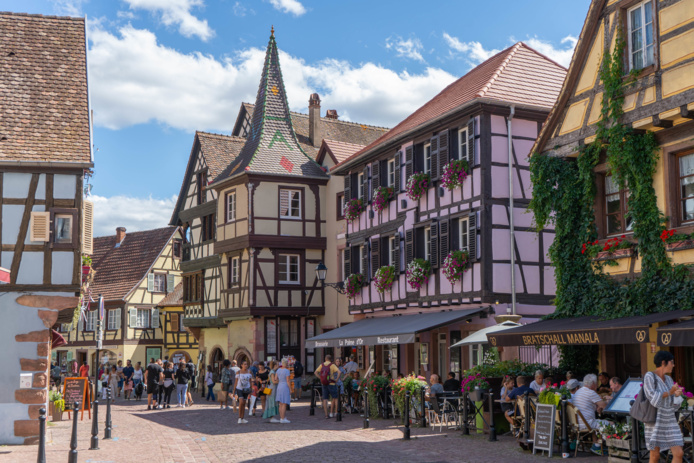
point(56, 405)
point(353, 284)
point(552, 395)
point(86, 265)
point(375, 386)
point(454, 174)
point(417, 273)
point(612, 248)
point(417, 186)
point(675, 241)
point(381, 198)
point(384, 278)
point(474, 384)
point(353, 208)
point(410, 383)
point(616, 438)
point(455, 264)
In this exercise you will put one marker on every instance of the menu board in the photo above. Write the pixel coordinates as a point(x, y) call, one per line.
point(75, 390)
point(621, 404)
point(545, 417)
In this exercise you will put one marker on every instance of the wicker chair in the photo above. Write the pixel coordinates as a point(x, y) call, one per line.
point(582, 436)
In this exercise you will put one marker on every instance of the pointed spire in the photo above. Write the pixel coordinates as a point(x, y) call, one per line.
point(272, 31)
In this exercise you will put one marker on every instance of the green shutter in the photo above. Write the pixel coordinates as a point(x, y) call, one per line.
point(155, 318)
point(150, 282)
point(170, 283)
point(133, 318)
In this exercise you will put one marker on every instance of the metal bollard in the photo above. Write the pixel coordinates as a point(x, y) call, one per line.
point(466, 429)
point(339, 406)
point(492, 428)
point(95, 426)
point(406, 433)
point(41, 458)
point(424, 409)
point(107, 427)
point(366, 408)
point(312, 410)
point(527, 418)
point(635, 432)
point(72, 456)
point(565, 451)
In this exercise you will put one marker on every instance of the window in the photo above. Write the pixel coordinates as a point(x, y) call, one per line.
point(427, 242)
point(686, 175)
point(290, 204)
point(391, 172)
point(202, 187)
point(427, 158)
point(393, 249)
point(181, 316)
point(65, 327)
point(361, 183)
point(159, 283)
point(640, 24)
point(233, 271)
point(462, 144)
point(231, 206)
point(92, 318)
point(208, 227)
point(340, 206)
point(142, 320)
point(177, 249)
point(63, 228)
point(288, 269)
point(192, 285)
point(114, 319)
point(463, 231)
point(616, 220)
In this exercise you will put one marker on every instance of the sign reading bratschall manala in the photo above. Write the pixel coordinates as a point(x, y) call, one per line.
point(362, 341)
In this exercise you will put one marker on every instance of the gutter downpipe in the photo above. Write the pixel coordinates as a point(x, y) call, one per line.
point(510, 204)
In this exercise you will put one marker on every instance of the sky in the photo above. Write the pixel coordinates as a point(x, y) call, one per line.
point(161, 69)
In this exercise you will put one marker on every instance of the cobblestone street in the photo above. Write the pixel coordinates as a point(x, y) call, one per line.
point(203, 433)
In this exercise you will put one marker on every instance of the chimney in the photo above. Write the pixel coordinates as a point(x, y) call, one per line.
point(331, 114)
point(120, 235)
point(314, 132)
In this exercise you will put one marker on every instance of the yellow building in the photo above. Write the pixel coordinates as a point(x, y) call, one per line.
point(179, 342)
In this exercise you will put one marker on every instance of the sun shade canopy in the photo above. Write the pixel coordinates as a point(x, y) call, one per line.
point(677, 334)
point(480, 336)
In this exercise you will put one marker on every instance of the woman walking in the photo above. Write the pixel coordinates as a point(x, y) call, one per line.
point(168, 385)
point(209, 382)
point(242, 387)
point(113, 379)
point(270, 410)
point(228, 380)
point(283, 390)
point(660, 390)
point(261, 380)
point(182, 378)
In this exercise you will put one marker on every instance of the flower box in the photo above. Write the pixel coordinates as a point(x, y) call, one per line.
point(679, 245)
point(86, 269)
point(476, 395)
point(619, 450)
point(618, 254)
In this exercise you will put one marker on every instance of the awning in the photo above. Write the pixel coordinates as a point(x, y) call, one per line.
point(589, 330)
point(480, 336)
point(57, 339)
point(399, 329)
point(677, 334)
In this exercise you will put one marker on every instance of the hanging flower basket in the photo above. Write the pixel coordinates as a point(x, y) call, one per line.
point(417, 186)
point(353, 284)
point(418, 273)
point(454, 174)
point(381, 198)
point(455, 264)
point(384, 278)
point(353, 208)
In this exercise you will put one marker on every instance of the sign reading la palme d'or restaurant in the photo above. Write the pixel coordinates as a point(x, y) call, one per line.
point(612, 336)
point(364, 341)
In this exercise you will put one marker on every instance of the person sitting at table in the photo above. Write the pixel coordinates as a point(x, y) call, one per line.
point(615, 387)
point(547, 383)
point(604, 383)
point(506, 406)
point(451, 384)
point(435, 388)
point(572, 385)
point(569, 375)
point(520, 389)
point(588, 402)
point(538, 384)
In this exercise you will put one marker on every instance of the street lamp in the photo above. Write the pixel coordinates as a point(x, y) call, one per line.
point(322, 272)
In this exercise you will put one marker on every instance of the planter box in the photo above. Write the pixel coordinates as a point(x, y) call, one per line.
point(619, 450)
point(618, 254)
point(476, 395)
point(54, 413)
point(680, 245)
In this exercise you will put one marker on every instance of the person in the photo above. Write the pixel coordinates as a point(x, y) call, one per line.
point(254, 387)
point(84, 370)
point(327, 372)
point(340, 384)
point(435, 388)
point(55, 374)
point(235, 367)
point(128, 372)
point(191, 382)
point(283, 395)
point(119, 369)
point(661, 391)
point(113, 381)
point(520, 389)
point(538, 384)
point(588, 402)
point(569, 376)
point(603, 383)
point(506, 405)
point(451, 384)
point(168, 384)
point(138, 378)
point(182, 378)
point(351, 366)
point(228, 379)
point(271, 409)
point(298, 373)
point(210, 382)
point(572, 385)
point(242, 386)
point(153, 374)
point(615, 387)
point(261, 380)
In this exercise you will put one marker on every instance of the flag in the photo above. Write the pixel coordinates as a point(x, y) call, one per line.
point(102, 308)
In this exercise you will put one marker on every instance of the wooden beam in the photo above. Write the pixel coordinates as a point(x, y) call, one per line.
point(47, 250)
point(658, 122)
point(686, 112)
point(23, 228)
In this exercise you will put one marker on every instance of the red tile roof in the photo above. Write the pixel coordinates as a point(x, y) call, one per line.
point(518, 75)
point(43, 89)
point(174, 299)
point(119, 269)
point(341, 150)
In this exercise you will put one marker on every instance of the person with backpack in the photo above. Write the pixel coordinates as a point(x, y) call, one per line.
point(228, 379)
point(210, 381)
point(298, 373)
point(328, 373)
point(192, 384)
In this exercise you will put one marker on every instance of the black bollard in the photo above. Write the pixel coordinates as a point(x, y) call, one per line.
point(634, 439)
point(95, 426)
point(565, 451)
point(492, 428)
point(366, 409)
point(691, 426)
point(424, 409)
point(527, 418)
point(466, 429)
point(72, 456)
point(406, 433)
point(107, 427)
point(41, 458)
point(339, 406)
point(312, 410)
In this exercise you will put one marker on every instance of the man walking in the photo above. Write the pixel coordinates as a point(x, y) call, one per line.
point(298, 373)
point(328, 372)
point(153, 375)
point(128, 373)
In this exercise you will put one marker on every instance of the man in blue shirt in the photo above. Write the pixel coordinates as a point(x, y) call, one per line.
point(128, 372)
point(517, 392)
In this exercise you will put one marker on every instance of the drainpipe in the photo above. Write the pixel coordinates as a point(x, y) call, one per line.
point(510, 205)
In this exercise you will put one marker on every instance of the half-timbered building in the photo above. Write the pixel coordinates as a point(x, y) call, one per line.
point(45, 223)
point(489, 119)
point(179, 342)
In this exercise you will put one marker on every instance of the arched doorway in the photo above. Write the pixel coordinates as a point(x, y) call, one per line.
point(216, 359)
point(242, 355)
point(178, 355)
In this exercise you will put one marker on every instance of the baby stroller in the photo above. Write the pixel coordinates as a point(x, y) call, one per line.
point(139, 389)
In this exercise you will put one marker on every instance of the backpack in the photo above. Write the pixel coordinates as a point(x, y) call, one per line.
point(325, 374)
point(298, 370)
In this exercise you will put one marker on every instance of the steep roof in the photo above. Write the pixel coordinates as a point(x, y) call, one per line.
point(173, 299)
point(339, 150)
point(272, 146)
point(120, 269)
point(518, 75)
point(44, 107)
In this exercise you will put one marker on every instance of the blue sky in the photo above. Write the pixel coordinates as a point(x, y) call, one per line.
point(160, 69)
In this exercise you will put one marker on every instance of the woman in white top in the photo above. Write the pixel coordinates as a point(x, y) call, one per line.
point(242, 386)
point(539, 384)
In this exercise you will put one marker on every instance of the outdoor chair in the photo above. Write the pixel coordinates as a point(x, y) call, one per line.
point(440, 413)
point(520, 402)
point(582, 436)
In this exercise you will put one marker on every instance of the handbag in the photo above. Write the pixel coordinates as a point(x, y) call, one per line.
point(267, 391)
point(642, 410)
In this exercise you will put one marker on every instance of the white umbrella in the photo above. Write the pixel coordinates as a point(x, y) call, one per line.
point(480, 336)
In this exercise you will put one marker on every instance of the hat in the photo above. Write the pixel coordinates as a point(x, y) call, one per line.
point(573, 384)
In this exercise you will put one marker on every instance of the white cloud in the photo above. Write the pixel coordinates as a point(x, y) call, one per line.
point(177, 12)
point(134, 214)
point(68, 7)
point(474, 50)
point(560, 55)
point(125, 14)
point(134, 79)
point(410, 48)
point(239, 9)
point(289, 6)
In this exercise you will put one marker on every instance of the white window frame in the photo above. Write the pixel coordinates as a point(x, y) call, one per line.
point(427, 242)
point(143, 318)
point(235, 267)
point(91, 320)
point(462, 144)
point(361, 187)
point(288, 274)
point(392, 249)
point(391, 172)
point(643, 45)
point(160, 283)
point(291, 210)
point(359, 261)
point(427, 158)
point(231, 206)
point(114, 316)
point(464, 232)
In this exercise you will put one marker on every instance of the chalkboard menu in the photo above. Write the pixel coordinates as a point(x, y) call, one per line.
point(545, 418)
point(75, 390)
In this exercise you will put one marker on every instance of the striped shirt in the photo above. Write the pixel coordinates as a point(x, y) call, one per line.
point(584, 400)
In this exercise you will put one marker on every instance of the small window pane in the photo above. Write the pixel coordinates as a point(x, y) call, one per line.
point(63, 228)
point(463, 234)
point(462, 148)
point(427, 159)
point(613, 204)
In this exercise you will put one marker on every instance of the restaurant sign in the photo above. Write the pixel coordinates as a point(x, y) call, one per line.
point(568, 337)
point(362, 341)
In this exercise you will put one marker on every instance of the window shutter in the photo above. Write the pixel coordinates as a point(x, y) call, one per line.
point(347, 254)
point(396, 186)
point(409, 247)
point(409, 162)
point(443, 240)
point(472, 236)
point(434, 144)
point(150, 282)
point(284, 202)
point(396, 258)
point(434, 245)
point(375, 175)
point(443, 151)
point(365, 260)
point(40, 229)
point(174, 322)
point(471, 158)
point(170, 283)
point(133, 318)
point(117, 313)
point(348, 190)
point(87, 227)
point(365, 185)
point(155, 318)
point(375, 255)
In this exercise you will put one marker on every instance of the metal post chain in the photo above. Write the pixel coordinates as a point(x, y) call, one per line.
point(41, 457)
point(635, 431)
point(406, 435)
point(492, 428)
point(107, 427)
point(72, 456)
point(95, 426)
point(527, 418)
point(339, 405)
